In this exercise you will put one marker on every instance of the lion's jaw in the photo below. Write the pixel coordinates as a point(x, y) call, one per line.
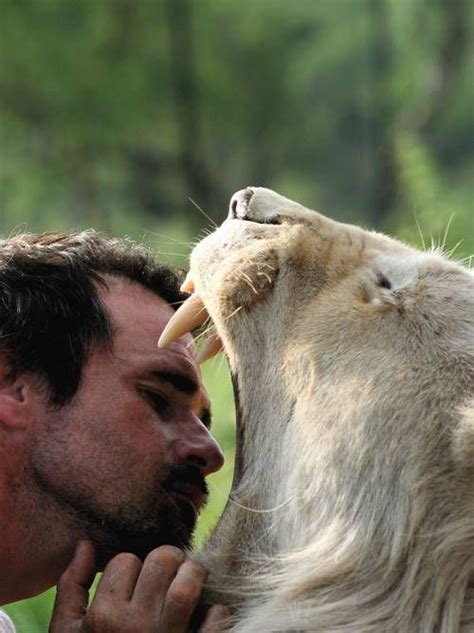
point(352, 359)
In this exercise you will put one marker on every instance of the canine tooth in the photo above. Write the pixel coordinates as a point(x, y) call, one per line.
point(188, 283)
point(189, 316)
point(212, 346)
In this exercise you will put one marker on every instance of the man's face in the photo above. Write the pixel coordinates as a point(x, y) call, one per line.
point(124, 462)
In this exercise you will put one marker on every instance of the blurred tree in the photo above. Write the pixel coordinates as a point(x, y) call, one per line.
point(125, 109)
point(382, 112)
point(187, 108)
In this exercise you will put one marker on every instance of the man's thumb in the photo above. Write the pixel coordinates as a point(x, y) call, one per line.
point(72, 592)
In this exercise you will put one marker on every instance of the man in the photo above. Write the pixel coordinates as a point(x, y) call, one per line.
point(104, 440)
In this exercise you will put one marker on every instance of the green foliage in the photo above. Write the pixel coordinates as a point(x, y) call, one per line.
point(133, 107)
point(442, 216)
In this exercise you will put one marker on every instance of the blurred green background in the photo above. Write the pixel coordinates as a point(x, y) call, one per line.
point(130, 115)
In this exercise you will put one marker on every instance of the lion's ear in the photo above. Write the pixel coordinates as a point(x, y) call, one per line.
point(463, 440)
point(378, 289)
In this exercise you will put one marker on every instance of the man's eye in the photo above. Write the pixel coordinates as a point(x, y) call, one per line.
point(157, 401)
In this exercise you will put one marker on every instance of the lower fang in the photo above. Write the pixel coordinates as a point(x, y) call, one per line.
point(212, 346)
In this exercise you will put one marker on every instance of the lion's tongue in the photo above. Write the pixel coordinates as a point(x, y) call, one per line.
point(188, 317)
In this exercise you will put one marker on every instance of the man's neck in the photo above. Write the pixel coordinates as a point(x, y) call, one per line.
point(29, 563)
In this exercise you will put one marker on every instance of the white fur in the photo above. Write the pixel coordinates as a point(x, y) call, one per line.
point(355, 505)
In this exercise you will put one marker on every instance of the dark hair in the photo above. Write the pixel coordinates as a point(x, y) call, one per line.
point(50, 310)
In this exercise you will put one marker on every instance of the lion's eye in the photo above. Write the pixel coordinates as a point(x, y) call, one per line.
point(383, 281)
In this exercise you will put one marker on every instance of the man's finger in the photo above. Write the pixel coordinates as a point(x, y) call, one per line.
point(72, 592)
point(217, 620)
point(182, 598)
point(158, 572)
point(119, 578)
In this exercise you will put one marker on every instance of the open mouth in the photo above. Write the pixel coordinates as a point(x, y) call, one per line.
point(192, 314)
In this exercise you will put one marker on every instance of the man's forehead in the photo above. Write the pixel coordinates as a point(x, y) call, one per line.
point(139, 316)
point(125, 299)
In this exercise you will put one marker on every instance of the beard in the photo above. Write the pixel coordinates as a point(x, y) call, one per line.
point(164, 522)
point(139, 527)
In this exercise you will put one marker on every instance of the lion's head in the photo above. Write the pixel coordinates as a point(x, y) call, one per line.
point(353, 360)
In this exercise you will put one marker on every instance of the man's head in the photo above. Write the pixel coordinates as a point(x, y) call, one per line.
point(51, 311)
point(102, 434)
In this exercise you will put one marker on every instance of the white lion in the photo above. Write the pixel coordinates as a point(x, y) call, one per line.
point(353, 361)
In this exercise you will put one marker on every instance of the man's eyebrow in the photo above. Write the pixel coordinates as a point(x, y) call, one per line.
point(178, 381)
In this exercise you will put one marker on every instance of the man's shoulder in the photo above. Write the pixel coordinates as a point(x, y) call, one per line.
point(6, 625)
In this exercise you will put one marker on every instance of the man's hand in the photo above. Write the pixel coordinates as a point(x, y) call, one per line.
point(156, 596)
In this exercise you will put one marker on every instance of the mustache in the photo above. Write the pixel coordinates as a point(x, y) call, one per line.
point(185, 474)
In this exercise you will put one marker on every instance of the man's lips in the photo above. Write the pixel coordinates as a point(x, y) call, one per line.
point(192, 493)
point(186, 483)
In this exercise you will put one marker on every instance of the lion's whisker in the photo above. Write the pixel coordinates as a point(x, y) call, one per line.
point(233, 313)
point(445, 237)
point(420, 233)
point(454, 248)
point(168, 253)
point(256, 510)
point(168, 237)
point(208, 217)
point(248, 281)
point(266, 275)
point(207, 331)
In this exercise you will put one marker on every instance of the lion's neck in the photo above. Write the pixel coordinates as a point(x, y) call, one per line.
point(343, 579)
point(350, 553)
point(327, 526)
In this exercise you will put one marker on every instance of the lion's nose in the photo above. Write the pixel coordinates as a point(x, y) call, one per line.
point(239, 203)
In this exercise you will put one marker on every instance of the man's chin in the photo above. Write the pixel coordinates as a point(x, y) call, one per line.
point(173, 530)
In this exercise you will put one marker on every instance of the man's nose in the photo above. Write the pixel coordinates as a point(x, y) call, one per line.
point(199, 449)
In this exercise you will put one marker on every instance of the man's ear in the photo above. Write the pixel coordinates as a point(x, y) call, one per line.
point(14, 400)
